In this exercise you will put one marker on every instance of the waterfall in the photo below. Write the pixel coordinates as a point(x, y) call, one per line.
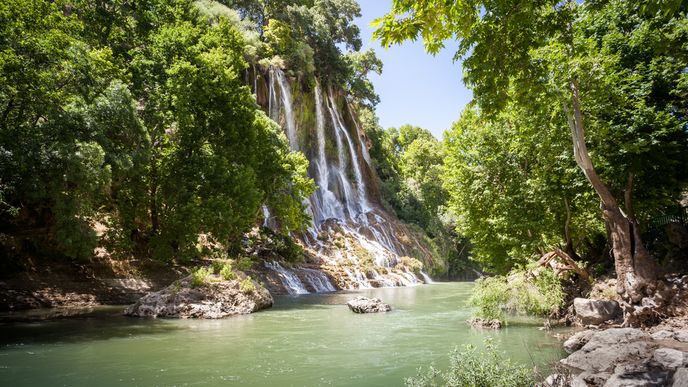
point(330, 206)
point(349, 199)
point(318, 280)
point(358, 278)
point(360, 184)
point(266, 216)
point(346, 226)
point(386, 282)
point(288, 278)
point(426, 278)
point(277, 75)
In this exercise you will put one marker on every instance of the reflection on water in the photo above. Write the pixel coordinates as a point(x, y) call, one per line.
point(303, 341)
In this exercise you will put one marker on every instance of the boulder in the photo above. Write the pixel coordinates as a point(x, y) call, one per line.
point(577, 341)
point(215, 299)
point(670, 358)
point(680, 378)
point(605, 349)
point(596, 311)
point(367, 305)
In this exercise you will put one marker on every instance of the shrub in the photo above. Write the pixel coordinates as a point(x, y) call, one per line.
point(474, 368)
point(518, 292)
point(227, 273)
point(244, 263)
point(200, 276)
point(247, 286)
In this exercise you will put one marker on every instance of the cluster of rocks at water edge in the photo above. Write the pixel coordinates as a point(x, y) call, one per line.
point(367, 305)
point(624, 357)
point(214, 299)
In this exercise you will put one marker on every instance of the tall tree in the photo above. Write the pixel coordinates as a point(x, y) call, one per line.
point(545, 50)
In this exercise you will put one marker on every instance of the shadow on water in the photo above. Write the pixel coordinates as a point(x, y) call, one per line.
point(83, 328)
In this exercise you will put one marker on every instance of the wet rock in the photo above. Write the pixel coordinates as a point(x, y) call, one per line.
point(645, 375)
point(215, 299)
point(483, 323)
point(367, 305)
point(670, 358)
point(605, 349)
point(594, 312)
point(577, 341)
point(680, 378)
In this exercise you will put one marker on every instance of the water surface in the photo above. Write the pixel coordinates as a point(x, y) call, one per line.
point(308, 340)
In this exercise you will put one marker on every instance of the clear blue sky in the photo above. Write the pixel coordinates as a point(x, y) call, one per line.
point(415, 87)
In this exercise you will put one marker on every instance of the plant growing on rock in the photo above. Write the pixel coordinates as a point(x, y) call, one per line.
point(200, 276)
point(247, 285)
point(519, 292)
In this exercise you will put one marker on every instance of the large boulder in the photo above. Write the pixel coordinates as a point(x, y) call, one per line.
point(596, 312)
point(605, 349)
point(214, 299)
point(367, 305)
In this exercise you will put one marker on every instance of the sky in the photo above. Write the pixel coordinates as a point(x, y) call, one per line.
point(415, 87)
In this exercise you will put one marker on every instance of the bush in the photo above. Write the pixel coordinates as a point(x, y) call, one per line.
point(200, 276)
point(247, 286)
point(519, 292)
point(244, 263)
point(474, 368)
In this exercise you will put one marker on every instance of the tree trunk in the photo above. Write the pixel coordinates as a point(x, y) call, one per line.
point(635, 267)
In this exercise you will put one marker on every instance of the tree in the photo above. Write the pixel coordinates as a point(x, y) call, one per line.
point(554, 56)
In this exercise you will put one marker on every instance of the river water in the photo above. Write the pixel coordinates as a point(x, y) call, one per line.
point(310, 340)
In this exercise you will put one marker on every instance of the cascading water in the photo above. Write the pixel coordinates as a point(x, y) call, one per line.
point(346, 227)
point(289, 279)
point(360, 184)
point(318, 280)
point(426, 278)
point(277, 75)
point(330, 206)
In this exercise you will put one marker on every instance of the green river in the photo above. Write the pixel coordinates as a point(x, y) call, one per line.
point(311, 340)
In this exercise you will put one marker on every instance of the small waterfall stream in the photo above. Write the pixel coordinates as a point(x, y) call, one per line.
point(289, 279)
point(318, 280)
point(426, 278)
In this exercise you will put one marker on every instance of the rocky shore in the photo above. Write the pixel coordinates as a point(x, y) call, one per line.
point(624, 357)
point(212, 300)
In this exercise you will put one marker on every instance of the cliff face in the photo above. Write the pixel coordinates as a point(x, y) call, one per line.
point(353, 238)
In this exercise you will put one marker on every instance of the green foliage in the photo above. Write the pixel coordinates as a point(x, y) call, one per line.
point(520, 291)
point(627, 62)
point(247, 285)
point(200, 276)
point(138, 115)
point(224, 269)
point(513, 186)
point(244, 263)
point(474, 368)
